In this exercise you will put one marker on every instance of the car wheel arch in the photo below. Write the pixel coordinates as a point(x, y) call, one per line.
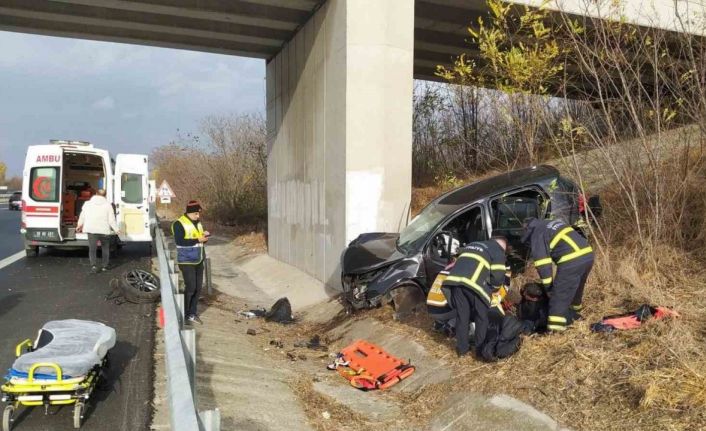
point(406, 298)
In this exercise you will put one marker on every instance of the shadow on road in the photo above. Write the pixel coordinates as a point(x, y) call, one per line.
point(120, 357)
point(22, 413)
point(9, 302)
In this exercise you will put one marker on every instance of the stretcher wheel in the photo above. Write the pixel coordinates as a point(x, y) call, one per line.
point(7, 418)
point(78, 414)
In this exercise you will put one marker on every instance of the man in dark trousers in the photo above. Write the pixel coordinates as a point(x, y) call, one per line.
point(474, 283)
point(553, 241)
point(190, 239)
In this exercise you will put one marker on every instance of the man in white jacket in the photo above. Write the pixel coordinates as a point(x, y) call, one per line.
point(97, 219)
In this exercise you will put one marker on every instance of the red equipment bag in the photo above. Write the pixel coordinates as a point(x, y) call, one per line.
point(632, 320)
point(370, 367)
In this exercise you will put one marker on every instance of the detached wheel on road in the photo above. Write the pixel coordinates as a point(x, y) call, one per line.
point(140, 286)
point(7, 417)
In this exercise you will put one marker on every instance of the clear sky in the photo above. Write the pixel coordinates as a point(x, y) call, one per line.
point(125, 98)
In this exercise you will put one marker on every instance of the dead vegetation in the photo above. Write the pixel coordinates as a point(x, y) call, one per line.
point(651, 378)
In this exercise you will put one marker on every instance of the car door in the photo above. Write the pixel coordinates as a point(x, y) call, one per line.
point(131, 197)
point(507, 213)
point(465, 227)
point(41, 188)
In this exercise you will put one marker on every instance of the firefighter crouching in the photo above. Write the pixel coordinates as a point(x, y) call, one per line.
point(439, 307)
point(471, 292)
point(553, 241)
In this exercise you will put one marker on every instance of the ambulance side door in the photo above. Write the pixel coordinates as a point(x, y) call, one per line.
point(131, 197)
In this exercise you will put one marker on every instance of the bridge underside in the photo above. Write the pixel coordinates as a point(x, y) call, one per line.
point(253, 28)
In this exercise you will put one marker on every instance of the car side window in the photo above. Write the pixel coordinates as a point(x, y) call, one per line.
point(461, 230)
point(509, 211)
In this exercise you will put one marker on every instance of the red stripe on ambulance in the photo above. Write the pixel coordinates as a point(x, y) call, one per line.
point(42, 209)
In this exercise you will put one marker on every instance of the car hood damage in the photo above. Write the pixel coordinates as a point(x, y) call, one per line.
point(370, 251)
point(372, 265)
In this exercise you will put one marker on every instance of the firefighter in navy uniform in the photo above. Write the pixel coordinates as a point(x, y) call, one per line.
point(553, 241)
point(474, 285)
point(439, 307)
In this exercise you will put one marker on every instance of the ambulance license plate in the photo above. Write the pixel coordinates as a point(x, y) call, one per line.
point(42, 234)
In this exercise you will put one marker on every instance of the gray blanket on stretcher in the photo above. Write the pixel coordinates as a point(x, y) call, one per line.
point(75, 345)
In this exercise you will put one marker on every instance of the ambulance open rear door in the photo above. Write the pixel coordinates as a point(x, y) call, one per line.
point(131, 197)
point(41, 194)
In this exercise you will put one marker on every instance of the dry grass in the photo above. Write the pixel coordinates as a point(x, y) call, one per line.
point(647, 379)
point(652, 378)
point(315, 404)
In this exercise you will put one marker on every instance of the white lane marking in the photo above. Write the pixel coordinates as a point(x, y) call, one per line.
point(12, 259)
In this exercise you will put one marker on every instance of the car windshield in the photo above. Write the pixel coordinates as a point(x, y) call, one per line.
point(418, 230)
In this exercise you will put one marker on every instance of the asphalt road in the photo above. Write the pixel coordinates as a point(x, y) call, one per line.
point(58, 285)
point(10, 239)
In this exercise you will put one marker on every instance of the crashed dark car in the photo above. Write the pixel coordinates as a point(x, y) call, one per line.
point(399, 268)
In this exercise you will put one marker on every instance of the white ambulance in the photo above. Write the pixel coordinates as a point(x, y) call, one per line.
point(60, 177)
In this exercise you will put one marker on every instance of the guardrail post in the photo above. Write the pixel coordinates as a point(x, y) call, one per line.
point(179, 299)
point(174, 275)
point(209, 284)
point(189, 337)
point(211, 420)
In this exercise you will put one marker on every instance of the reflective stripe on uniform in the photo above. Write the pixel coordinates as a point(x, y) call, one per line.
point(574, 255)
point(545, 261)
point(436, 297)
point(497, 267)
point(470, 283)
point(561, 235)
point(500, 309)
point(483, 261)
point(547, 280)
point(577, 307)
point(557, 323)
point(443, 303)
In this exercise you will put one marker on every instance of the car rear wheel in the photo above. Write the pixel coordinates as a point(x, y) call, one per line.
point(32, 251)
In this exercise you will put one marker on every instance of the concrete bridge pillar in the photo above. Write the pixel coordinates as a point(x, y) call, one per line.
point(339, 125)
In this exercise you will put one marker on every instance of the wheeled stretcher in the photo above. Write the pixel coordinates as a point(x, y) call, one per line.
point(61, 367)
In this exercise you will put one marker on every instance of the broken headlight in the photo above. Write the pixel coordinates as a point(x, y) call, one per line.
point(357, 285)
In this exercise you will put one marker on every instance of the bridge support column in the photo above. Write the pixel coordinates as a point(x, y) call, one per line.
point(339, 124)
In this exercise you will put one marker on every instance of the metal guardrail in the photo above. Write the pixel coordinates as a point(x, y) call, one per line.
point(180, 349)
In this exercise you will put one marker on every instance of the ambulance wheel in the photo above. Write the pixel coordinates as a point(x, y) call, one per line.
point(79, 408)
point(32, 251)
point(7, 418)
